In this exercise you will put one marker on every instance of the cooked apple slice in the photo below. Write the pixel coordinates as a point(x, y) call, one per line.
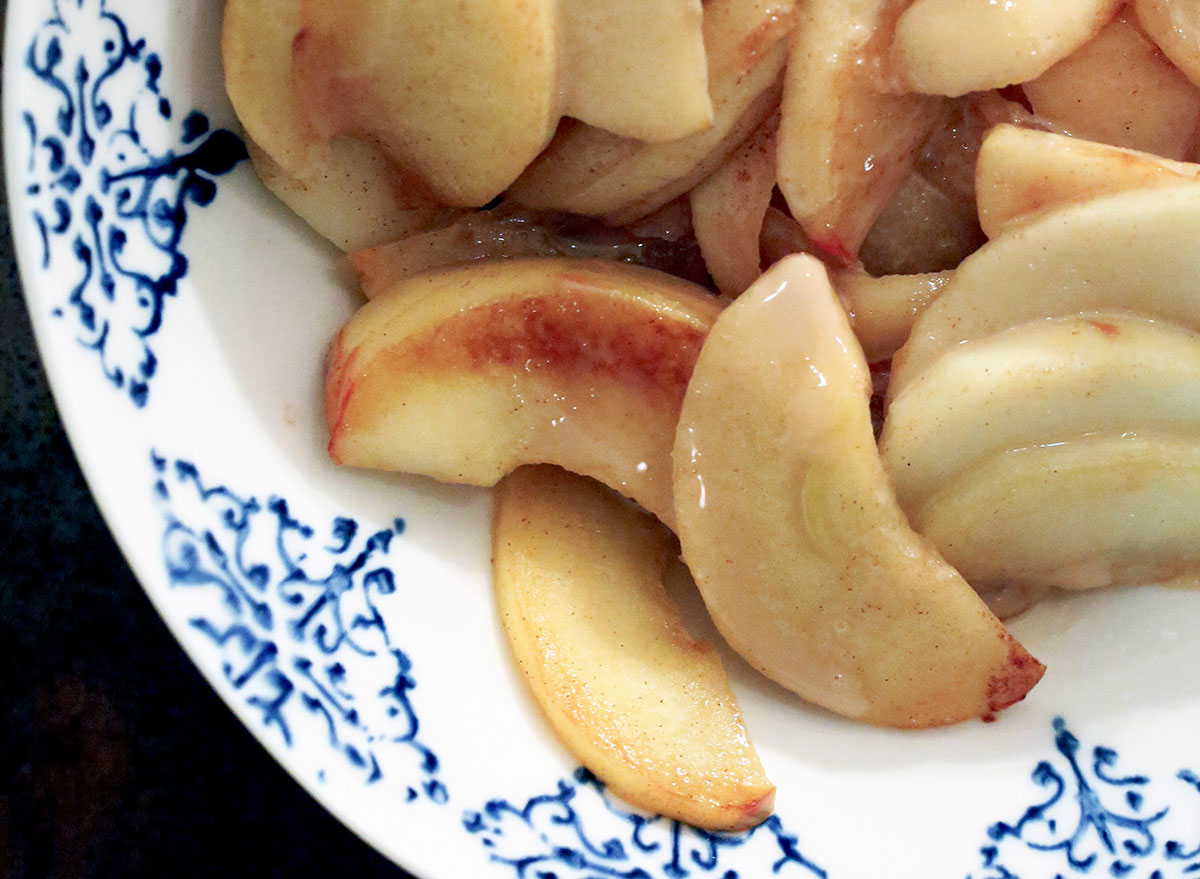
point(728, 210)
point(1174, 25)
point(579, 587)
point(882, 310)
point(466, 373)
point(1044, 382)
point(951, 47)
point(1133, 251)
point(1023, 173)
point(635, 68)
point(352, 195)
point(1099, 511)
point(845, 147)
point(587, 170)
point(788, 522)
point(1117, 88)
point(465, 98)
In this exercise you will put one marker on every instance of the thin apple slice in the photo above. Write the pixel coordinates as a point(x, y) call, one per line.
point(882, 310)
point(788, 522)
point(466, 373)
point(1045, 382)
point(1023, 173)
point(728, 209)
point(1117, 88)
point(951, 47)
point(1100, 511)
point(1174, 25)
point(352, 195)
point(591, 171)
point(465, 97)
point(635, 67)
point(1132, 251)
point(845, 147)
point(579, 587)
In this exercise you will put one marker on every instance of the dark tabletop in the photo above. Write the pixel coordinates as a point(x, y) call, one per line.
point(116, 758)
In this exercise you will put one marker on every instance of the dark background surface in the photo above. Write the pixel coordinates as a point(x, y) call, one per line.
point(116, 758)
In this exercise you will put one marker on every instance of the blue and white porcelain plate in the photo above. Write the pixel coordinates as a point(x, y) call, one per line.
point(347, 618)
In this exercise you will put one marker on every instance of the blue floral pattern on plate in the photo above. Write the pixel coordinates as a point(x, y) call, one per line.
point(294, 615)
point(1096, 821)
point(111, 183)
point(547, 837)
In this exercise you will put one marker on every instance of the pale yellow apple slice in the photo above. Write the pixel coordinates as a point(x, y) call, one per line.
point(882, 310)
point(579, 588)
point(352, 195)
point(789, 525)
point(1117, 88)
point(951, 47)
point(728, 210)
point(1023, 173)
point(1099, 511)
point(844, 146)
point(1174, 25)
point(588, 170)
point(1040, 383)
point(1134, 250)
point(466, 373)
point(465, 96)
point(635, 67)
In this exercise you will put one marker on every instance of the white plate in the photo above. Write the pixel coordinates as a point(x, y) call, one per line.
point(347, 618)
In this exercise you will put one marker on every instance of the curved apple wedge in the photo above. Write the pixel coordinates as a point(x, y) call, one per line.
point(579, 588)
point(466, 373)
point(789, 525)
point(1044, 382)
point(1100, 511)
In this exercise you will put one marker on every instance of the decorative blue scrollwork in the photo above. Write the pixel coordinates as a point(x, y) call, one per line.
point(110, 178)
point(581, 832)
point(1094, 821)
point(295, 617)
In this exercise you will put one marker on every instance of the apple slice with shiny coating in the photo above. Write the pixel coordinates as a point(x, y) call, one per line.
point(466, 373)
point(1098, 511)
point(1043, 382)
point(788, 522)
point(1174, 26)
point(1023, 173)
point(951, 47)
point(1133, 251)
point(579, 578)
point(882, 310)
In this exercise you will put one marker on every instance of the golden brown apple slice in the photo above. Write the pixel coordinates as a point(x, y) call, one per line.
point(635, 67)
point(1117, 88)
point(728, 210)
point(1174, 25)
point(647, 708)
point(466, 373)
point(590, 171)
point(845, 147)
point(1044, 382)
point(1099, 511)
point(951, 47)
point(353, 196)
point(1024, 173)
point(788, 522)
point(1133, 251)
point(465, 96)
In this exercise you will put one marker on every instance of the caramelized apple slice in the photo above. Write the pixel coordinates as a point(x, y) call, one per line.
point(1023, 173)
point(647, 708)
point(1040, 383)
point(951, 47)
point(1099, 511)
point(788, 522)
point(466, 373)
point(1133, 251)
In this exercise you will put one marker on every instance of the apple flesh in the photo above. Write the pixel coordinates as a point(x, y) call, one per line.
point(579, 589)
point(466, 373)
point(882, 310)
point(1174, 26)
point(788, 523)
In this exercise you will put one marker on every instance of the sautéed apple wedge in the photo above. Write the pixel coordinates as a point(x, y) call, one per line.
point(578, 575)
point(789, 525)
point(466, 373)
